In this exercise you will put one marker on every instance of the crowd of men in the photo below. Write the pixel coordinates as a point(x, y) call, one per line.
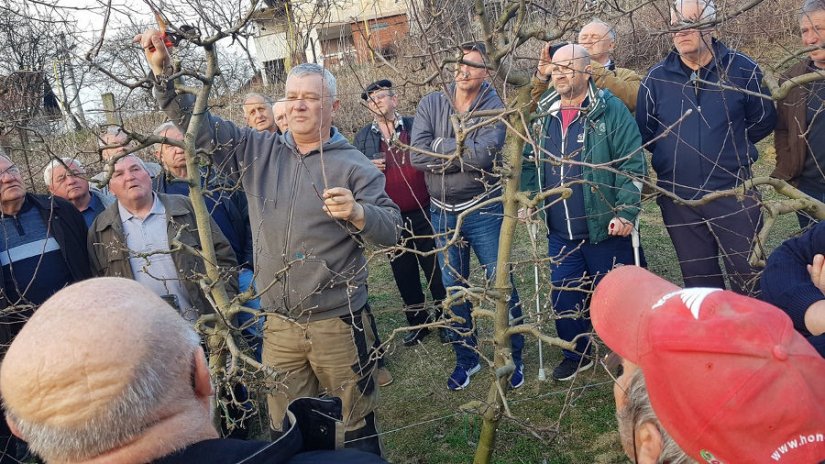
point(292, 204)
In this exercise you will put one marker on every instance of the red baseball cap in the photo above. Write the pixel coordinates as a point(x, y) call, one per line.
point(729, 378)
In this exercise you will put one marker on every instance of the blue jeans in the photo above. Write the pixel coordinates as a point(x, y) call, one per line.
point(479, 231)
point(576, 269)
point(252, 334)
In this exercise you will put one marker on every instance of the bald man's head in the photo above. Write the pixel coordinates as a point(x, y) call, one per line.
point(570, 71)
point(97, 363)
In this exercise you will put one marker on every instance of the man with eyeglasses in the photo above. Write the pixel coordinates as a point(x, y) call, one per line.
point(408, 189)
point(314, 201)
point(589, 143)
point(42, 249)
point(701, 111)
point(708, 375)
point(599, 39)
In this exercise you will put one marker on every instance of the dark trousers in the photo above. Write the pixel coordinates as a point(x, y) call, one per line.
point(575, 270)
point(725, 227)
point(417, 235)
point(804, 219)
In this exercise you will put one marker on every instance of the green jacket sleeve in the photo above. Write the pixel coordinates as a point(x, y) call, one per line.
point(627, 147)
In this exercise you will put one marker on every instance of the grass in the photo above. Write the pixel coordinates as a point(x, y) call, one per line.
point(555, 422)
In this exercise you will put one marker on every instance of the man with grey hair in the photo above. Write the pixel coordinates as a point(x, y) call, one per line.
point(258, 112)
point(726, 376)
point(66, 178)
point(113, 141)
point(139, 393)
point(314, 200)
point(279, 109)
point(599, 39)
point(643, 437)
point(136, 237)
point(701, 112)
point(43, 243)
point(800, 128)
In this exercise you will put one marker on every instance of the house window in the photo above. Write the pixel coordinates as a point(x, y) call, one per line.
point(275, 71)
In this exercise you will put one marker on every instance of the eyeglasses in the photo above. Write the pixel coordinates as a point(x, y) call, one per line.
point(11, 170)
point(612, 363)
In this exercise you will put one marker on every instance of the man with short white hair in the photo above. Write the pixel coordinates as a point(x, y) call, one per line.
point(279, 109)
point(111, 143)
point(258, 112)
point(727, 376)
point(136, 237)
point(66, 178)
point(599, 39)
point(701, 112)
point(106, 372)
point(314, 200)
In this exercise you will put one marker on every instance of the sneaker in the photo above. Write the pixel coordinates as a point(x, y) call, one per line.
point(460, 377)
point(414, 337)
point(517, 377)
point(383, 376)
point(569, 368)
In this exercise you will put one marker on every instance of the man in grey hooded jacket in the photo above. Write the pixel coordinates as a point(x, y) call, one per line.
point(459, 182)
point(313, 202)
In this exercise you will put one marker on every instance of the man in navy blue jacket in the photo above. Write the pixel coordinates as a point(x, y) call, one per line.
point(794, 281)
point(700, 113)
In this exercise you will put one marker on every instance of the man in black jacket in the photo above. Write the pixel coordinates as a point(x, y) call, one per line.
point(141, 391)
point(42, 249)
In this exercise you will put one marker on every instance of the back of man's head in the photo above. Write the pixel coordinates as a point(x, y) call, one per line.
point(100, 365)
point(729, 377)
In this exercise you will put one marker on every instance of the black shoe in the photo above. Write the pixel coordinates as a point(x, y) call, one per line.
point(569, 368)
point(446, 335)
point(415, 337)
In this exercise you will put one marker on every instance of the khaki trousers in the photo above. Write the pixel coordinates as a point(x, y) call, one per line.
point(329, 357)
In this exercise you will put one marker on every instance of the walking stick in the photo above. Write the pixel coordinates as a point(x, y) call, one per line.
point(533, 228)
point(634, 234)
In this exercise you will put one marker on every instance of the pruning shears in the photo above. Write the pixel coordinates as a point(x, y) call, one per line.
point(170, 39)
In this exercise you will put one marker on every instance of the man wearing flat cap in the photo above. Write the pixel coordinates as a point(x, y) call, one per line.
point(405, 185)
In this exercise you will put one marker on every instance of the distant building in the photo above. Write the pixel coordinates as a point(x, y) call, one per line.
point(330, 32)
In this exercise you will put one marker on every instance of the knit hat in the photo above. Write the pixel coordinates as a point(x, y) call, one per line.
point(728, 376)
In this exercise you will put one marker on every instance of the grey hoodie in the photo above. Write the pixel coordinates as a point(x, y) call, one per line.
point(308, 265)
point(464, 180)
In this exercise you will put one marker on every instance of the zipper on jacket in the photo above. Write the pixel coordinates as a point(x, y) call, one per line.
point(564, 151)
point(697, 87)
point(287, 259)
point(694, 77)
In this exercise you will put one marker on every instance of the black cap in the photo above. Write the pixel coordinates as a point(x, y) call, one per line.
point(377, 85)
